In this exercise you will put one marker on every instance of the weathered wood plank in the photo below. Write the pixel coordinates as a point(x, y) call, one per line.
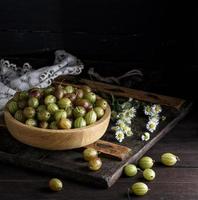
point(128, 92)
point(109, 148)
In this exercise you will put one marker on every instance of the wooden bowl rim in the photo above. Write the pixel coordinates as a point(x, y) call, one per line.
point(52, 131)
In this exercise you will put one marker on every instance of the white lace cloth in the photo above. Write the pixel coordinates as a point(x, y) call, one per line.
point(13, 78)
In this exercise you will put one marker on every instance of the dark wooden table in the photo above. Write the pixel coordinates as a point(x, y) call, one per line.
point(175, 183)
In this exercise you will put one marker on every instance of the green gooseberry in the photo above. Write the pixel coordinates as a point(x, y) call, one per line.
point(89, 154)
point(55, 184)
point(52, 108)
point(79, 122)
point(95, 164)
point(29, 112)
point(90, 96)
point(59, 114)
point(90, 117)
point(69, 111)
point(64, 123)
point(43, 115)
point(69, 89)
point(139, 188)
point(12, 107)
point(101, 103)
point(49, 99)
point(64, 103)
point(149, 174)
point(33, 102)
point(130, 170)
point(99, 112)
point(31, 122)
point(19, 116)
point(146, 162)
point(169, 159)
point(79, 111)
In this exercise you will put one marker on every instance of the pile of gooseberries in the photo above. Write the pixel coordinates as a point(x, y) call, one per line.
point(146, 163)
point(57, 107)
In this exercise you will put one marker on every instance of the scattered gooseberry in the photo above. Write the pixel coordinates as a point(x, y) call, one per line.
point(55, 184)
point(149, 174)
point(139, 188)
point(146, 162)
point(169, 159)
point(130, 170)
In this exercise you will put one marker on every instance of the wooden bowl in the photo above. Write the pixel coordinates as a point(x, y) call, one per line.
point(57, 139)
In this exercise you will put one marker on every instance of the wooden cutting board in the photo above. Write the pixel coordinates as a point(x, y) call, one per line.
point(69, 164)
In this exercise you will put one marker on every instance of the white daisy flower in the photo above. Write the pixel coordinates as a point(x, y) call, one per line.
point(147, 110)
point(151, 126)
point(156, 109)
point(126, 129)
point(129, 133)
point(145, 136)
point(127, 120)
point(119, 135)
point(155, 119)
point(120, 123)
point(131, 112)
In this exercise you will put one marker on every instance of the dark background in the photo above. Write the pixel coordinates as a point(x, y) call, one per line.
point(111, 35)
point(158, 36)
